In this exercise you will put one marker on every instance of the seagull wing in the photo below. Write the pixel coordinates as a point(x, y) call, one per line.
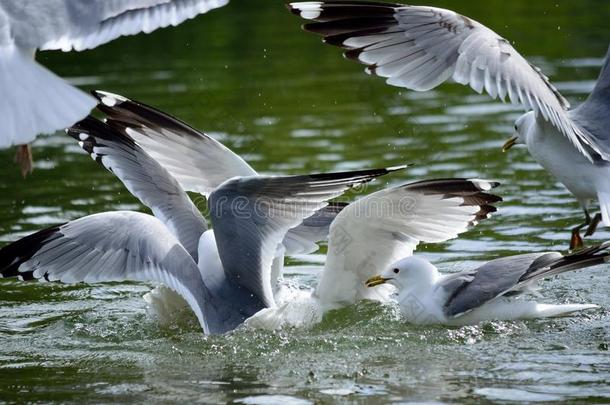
point(420, 47)
point(85, 24)
point(34, 100)
point(112, 246)
point(144, 177)
point(375, 231)
point(198, 162)
point(302, 239)
point(601, 91)
point(252, 215)
point(593, 113)
point(471, 289)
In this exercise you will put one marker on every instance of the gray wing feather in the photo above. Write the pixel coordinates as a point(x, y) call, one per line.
point(112, 246)
point(85, 24)
point(197, 161)
point(251, 217)
point(469, 290)
point(144, 178)
point(303, 238)
point(472, 289)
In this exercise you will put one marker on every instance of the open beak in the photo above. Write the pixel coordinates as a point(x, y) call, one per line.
point(510, 143)
point(374, 281)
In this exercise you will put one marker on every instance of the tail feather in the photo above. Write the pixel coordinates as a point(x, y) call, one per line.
point(552, 310)
point(592, 256)
point(34, 100)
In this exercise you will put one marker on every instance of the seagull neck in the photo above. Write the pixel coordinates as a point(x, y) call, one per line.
point(209, 264)
point(421, 281)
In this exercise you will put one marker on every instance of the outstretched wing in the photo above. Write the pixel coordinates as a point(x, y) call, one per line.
point(375, 231)
point(112, 246)
point(198, 162)
point(251, 217)
point(144, 177)
point(420, 47)
point(469, 290)
point(85, 24)
point(593, 113)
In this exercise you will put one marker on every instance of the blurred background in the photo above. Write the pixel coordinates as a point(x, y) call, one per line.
point(250, 77)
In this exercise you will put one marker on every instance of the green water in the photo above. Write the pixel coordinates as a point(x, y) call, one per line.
point(250, 77)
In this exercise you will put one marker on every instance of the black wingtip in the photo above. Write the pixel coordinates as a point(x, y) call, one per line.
point(83, 131)
point(108, 99)
point(473, 192)
point(358, 176)
point(91, 132)
point(87, 124)
point(582, 259)
point(122, 113)
point(602, 248)
point(340, 10)
point(460, 186)
point(13, 255)
point(294, 10)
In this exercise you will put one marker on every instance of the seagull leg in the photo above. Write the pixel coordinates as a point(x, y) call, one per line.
point(576, 242)
point(594, 224)
point(24, 159)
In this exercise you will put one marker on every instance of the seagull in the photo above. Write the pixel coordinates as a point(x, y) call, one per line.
point(373, 232)
point(420, 47)
point(35, 100)
point(486, 293)
point(225, 274)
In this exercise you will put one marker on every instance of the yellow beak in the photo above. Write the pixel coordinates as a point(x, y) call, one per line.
point(510, 143)
point(374, 281)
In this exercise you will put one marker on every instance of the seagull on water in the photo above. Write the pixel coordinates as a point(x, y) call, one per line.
point(225, 274)
point(420, 47)
point(486, 293)
point(373, 232)
point(35, 100)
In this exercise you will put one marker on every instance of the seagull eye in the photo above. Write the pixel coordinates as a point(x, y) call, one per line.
point(396, 271)
point(516, 129)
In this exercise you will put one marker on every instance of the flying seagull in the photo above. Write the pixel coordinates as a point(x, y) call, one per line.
point(35, 100)
point(486, 293)
point(230, 275)
point(420, 47)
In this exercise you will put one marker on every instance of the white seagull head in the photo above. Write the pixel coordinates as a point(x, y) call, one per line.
point(408, 272)
point(522, 129)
